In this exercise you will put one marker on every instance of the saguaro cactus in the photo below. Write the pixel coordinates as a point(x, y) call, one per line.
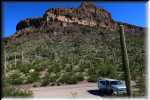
point(15, 60)
point(5, 62)
point(125, 61)
point(22, 57)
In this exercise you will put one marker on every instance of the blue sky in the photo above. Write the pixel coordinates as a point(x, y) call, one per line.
point(128, 12)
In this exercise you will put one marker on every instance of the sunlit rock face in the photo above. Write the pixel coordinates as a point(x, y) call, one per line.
point(86, 14)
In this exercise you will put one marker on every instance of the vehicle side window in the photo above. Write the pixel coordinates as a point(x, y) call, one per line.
point(107, 82)
point(102, 82)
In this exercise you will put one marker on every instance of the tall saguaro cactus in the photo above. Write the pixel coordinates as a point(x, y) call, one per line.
point(15, 60)
point(22, 57)
point(5, 63)
point(125, 61)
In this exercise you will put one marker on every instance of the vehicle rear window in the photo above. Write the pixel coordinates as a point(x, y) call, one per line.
point(102, 82)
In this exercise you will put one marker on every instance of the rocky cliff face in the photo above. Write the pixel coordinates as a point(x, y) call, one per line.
point(87, 14)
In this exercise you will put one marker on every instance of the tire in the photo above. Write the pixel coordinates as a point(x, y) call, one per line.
point(111, 92)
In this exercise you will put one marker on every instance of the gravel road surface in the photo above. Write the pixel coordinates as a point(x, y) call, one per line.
point(84, 90)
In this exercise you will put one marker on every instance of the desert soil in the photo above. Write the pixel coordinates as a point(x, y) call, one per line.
point(82, 90)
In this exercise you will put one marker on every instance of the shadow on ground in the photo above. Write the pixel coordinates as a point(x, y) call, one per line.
point(98, 93)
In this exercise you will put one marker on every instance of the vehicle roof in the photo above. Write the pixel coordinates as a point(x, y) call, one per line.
point(109, 79)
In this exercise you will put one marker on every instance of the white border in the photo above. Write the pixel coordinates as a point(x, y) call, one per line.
point(147, 56)
point(148, 50)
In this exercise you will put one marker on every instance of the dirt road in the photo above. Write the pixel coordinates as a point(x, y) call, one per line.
point(84, 90)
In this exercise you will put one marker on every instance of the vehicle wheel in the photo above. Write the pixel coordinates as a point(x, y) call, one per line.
point(100, 90)
point(114, 93)
point(111, 92)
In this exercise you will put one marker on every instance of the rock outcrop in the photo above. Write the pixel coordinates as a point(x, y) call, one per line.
point(87, 14)
point(30, 22)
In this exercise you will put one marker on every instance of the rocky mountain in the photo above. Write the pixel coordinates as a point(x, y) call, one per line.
point(87, 14)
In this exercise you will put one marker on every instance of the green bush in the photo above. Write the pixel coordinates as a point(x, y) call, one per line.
point(141, 84)
point(107, 70)
point(24, 67)
point(67, 77)
point(32, 77)
point(13, 92)
point(92, 78)
point(79, 76)
point(16, 77)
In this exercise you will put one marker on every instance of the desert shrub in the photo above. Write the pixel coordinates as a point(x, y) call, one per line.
point(141, 84)
point(45, 80)
point(52, 77)
point(76, 68)
point(71, 29)
point(85, 75)
point(23, 67)
point(72, 79)
point(107, 70)
point(16, 77)
point(85, 30)
point(54, 68)
point(32, 76)
point(39, 65)
point(10, 91)
point(68, 67)
point(61, 78)
point(92, 78)
point(67, 78)
point(78, 75)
